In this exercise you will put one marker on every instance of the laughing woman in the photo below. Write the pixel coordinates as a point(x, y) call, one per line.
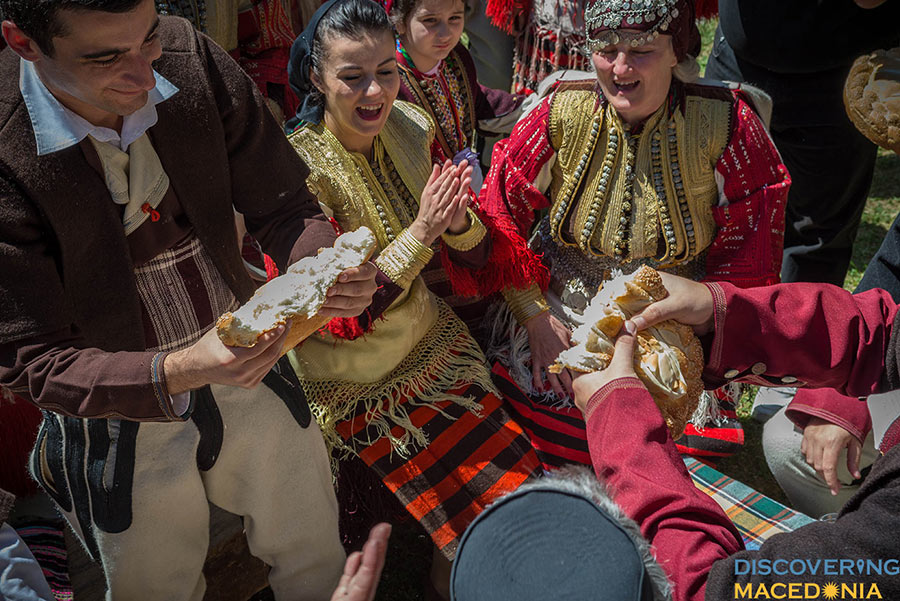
point(640, 165)
point(412, 398)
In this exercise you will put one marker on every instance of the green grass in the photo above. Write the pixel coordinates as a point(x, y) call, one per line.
point(707, 31)
point(881, 208)
point(410, 551)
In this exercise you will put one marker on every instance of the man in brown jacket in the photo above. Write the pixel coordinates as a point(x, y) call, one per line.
point(127, 141)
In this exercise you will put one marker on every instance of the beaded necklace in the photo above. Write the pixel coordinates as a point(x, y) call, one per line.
point(400, 199)
point(445, 95)
point(192, 10)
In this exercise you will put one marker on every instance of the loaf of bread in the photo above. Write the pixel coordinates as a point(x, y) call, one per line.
point(668, 356)
point(872, 97)
point(296, 296)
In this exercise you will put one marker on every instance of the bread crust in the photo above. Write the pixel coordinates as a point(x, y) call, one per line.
point(301, 325)
point(676, 405)
point(872, 97)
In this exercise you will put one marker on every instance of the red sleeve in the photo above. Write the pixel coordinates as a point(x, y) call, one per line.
point(508, 202)
point(800, 334)
point(754, 182)
point(848, 412)
point(632, 451)
point(509, 194)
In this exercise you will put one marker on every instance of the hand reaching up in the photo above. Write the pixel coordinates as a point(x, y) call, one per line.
point(362, 571)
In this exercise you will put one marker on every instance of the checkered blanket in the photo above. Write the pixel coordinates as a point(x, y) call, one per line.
point(756, 516)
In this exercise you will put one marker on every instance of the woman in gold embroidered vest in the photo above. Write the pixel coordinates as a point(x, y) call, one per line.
point(412, 397)
point(640, 165)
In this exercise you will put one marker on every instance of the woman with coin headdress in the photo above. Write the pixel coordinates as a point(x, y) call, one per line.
point(641, 165)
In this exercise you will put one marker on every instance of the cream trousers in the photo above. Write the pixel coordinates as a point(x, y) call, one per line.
point(269, 470)
point(807, 490)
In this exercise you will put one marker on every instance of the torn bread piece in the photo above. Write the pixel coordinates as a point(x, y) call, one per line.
point(668, 356)
point(297, 295)
point(872, 97)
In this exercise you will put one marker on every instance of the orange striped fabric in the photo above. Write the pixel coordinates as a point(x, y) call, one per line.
point(470, 461)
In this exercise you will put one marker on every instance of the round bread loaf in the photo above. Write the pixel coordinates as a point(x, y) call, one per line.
point(668, 357)
point(872, 97)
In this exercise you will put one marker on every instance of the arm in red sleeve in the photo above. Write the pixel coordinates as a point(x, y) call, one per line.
point(632, 451)
point(753, 187)
point(847, 412)
point(513, 189)
point(802, 334)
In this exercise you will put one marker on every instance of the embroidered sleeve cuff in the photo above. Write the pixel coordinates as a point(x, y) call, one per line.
point(470, 238)
point(601, 395)
point(404, 259)
point(177, 408)
point(891, 437)
point(715, 355)
point(525, 304)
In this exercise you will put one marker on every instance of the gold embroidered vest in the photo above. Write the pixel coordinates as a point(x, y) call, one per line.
point(640, 196)
point(419, 348)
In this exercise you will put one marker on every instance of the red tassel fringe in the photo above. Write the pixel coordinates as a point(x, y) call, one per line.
point(511, 264)
point(706, 9)
point(349, 328)
point(502, 13)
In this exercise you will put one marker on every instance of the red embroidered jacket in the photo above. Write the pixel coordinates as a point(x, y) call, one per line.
point(752, 180)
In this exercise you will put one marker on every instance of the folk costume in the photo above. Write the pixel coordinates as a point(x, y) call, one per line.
point(257, 33)
point(460, 106)
point(412, 398)
point(462, 109)
point(86, 323)
point(697, 189)
point(553, 39)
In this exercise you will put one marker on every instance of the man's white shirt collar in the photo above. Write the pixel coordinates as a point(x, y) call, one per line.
point(57, 128)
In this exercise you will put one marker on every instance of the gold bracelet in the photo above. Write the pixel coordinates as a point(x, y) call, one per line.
point(470, 238)
point(404, 259)
point(525, 304)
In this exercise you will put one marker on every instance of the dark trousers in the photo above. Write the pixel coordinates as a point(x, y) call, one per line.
point(830, 163)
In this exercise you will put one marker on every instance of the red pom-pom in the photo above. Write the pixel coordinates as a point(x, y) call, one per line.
point(707, 9)
point(347, 328)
